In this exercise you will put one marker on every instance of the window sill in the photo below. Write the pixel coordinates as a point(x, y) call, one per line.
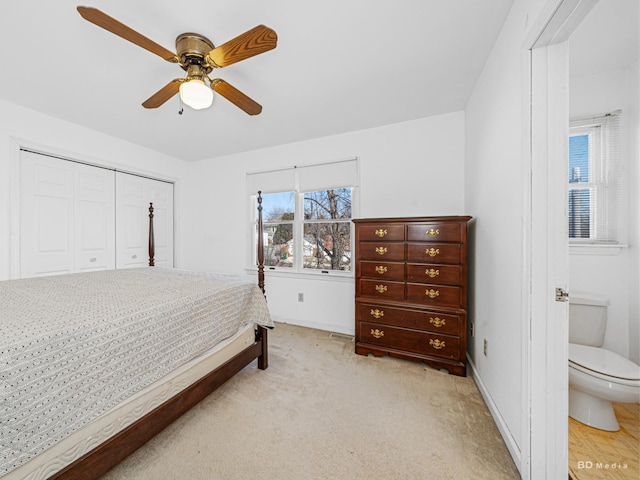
point(595, 249)
point(346, 277)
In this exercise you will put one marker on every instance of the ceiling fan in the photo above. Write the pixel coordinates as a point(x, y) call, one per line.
point(196, 55)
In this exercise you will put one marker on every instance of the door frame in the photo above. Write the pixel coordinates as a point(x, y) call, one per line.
point(545, 332)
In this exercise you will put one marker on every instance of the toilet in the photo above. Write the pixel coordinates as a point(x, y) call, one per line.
point(597, 376)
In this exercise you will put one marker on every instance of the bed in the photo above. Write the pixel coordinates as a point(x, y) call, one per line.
point(93, 365)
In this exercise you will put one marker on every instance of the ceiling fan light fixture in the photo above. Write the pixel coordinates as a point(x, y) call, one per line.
point(196, 94)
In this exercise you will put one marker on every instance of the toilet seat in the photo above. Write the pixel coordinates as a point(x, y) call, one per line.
point(604, 364)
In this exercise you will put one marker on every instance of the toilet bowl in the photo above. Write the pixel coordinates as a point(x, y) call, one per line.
point(597, 376)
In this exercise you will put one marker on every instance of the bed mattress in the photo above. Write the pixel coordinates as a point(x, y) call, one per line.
point(93, 434)
point(75, 347)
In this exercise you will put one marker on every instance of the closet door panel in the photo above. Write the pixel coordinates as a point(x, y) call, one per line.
point(131, 221)
point(46, 223)
point(95, 214)
point(133, 196)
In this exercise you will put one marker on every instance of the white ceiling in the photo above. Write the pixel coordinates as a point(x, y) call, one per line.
point(340, 66)
point(607, 39)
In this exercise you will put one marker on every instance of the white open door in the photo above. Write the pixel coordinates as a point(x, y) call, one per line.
point(546, 339)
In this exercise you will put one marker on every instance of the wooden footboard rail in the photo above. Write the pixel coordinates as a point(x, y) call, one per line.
point(107, 455)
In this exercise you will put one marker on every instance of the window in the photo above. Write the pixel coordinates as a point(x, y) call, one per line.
point(278, 214)
point(594, 180)
point(307, 227)
point(327, 229)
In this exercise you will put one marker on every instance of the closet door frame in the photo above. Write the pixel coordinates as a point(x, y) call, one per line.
point(17, 144)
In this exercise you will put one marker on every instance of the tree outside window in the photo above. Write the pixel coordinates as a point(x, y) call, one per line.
point(327, 236)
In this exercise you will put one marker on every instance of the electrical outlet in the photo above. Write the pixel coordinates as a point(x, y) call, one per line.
point(485, 347)
point(300, 297)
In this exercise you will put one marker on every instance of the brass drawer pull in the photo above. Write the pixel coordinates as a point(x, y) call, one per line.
point(437, 344)
point(437, 322)
point(381, 250)
point(381, 269)
point(377, 333)
point(377, 313)
point(432, 293)
point(381, 288)
point(432, 232)
point(381, 233)
point(430, 272)
point(432, 252)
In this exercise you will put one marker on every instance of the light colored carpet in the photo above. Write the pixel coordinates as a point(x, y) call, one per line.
point(322, 412)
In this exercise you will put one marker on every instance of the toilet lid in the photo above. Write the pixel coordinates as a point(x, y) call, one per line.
point(604, 362)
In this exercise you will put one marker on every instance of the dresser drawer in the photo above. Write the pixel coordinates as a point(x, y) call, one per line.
point(434, 253)
point(434, 232)
point(435, 295)
point(431, 273)
point(382, 270)
point(430, 321)
point(381, 251)
point(405, 339)
point(382, 289)
point(382, 231)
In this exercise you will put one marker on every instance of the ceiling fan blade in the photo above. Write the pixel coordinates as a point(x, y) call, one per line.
point(112, 25)
point(236, 97)
point(164, 94)
point(258, 40)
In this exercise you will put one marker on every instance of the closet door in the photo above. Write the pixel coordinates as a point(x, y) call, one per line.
point(46, 210)
point(94, 216)
point(66, 216)
point(133, 195)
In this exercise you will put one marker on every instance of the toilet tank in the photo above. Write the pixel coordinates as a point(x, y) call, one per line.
point(587, 319)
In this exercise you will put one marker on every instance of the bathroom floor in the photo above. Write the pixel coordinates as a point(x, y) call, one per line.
point(596, 454)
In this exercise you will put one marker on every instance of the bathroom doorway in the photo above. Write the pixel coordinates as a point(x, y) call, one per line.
point(603, 53)
point(545, 361)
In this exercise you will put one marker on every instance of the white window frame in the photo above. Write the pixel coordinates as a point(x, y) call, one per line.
point(596, 184)
point(298, 223)
point(605, 183)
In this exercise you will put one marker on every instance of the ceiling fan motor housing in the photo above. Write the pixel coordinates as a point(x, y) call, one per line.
point(192, 49)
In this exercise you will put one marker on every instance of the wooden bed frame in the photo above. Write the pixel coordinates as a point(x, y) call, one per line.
point(107, 455)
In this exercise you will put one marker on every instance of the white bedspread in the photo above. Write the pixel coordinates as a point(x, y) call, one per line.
point(74, 346)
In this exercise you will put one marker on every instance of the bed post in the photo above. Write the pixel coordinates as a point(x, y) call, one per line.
point(261, 333)
point(152, 247)
point(260, 245)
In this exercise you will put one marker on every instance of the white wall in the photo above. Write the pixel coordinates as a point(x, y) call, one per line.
point(634, 212)
point(408, 169)
point(611, 275)
point(19, 125)
point(495, 144)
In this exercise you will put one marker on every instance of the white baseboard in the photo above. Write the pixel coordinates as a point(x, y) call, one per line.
point(328, 327)
point(512, 446)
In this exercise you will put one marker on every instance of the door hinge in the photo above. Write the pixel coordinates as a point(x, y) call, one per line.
point(561, 295)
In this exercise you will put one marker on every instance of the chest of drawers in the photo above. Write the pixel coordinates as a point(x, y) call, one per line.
point(411, 289)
